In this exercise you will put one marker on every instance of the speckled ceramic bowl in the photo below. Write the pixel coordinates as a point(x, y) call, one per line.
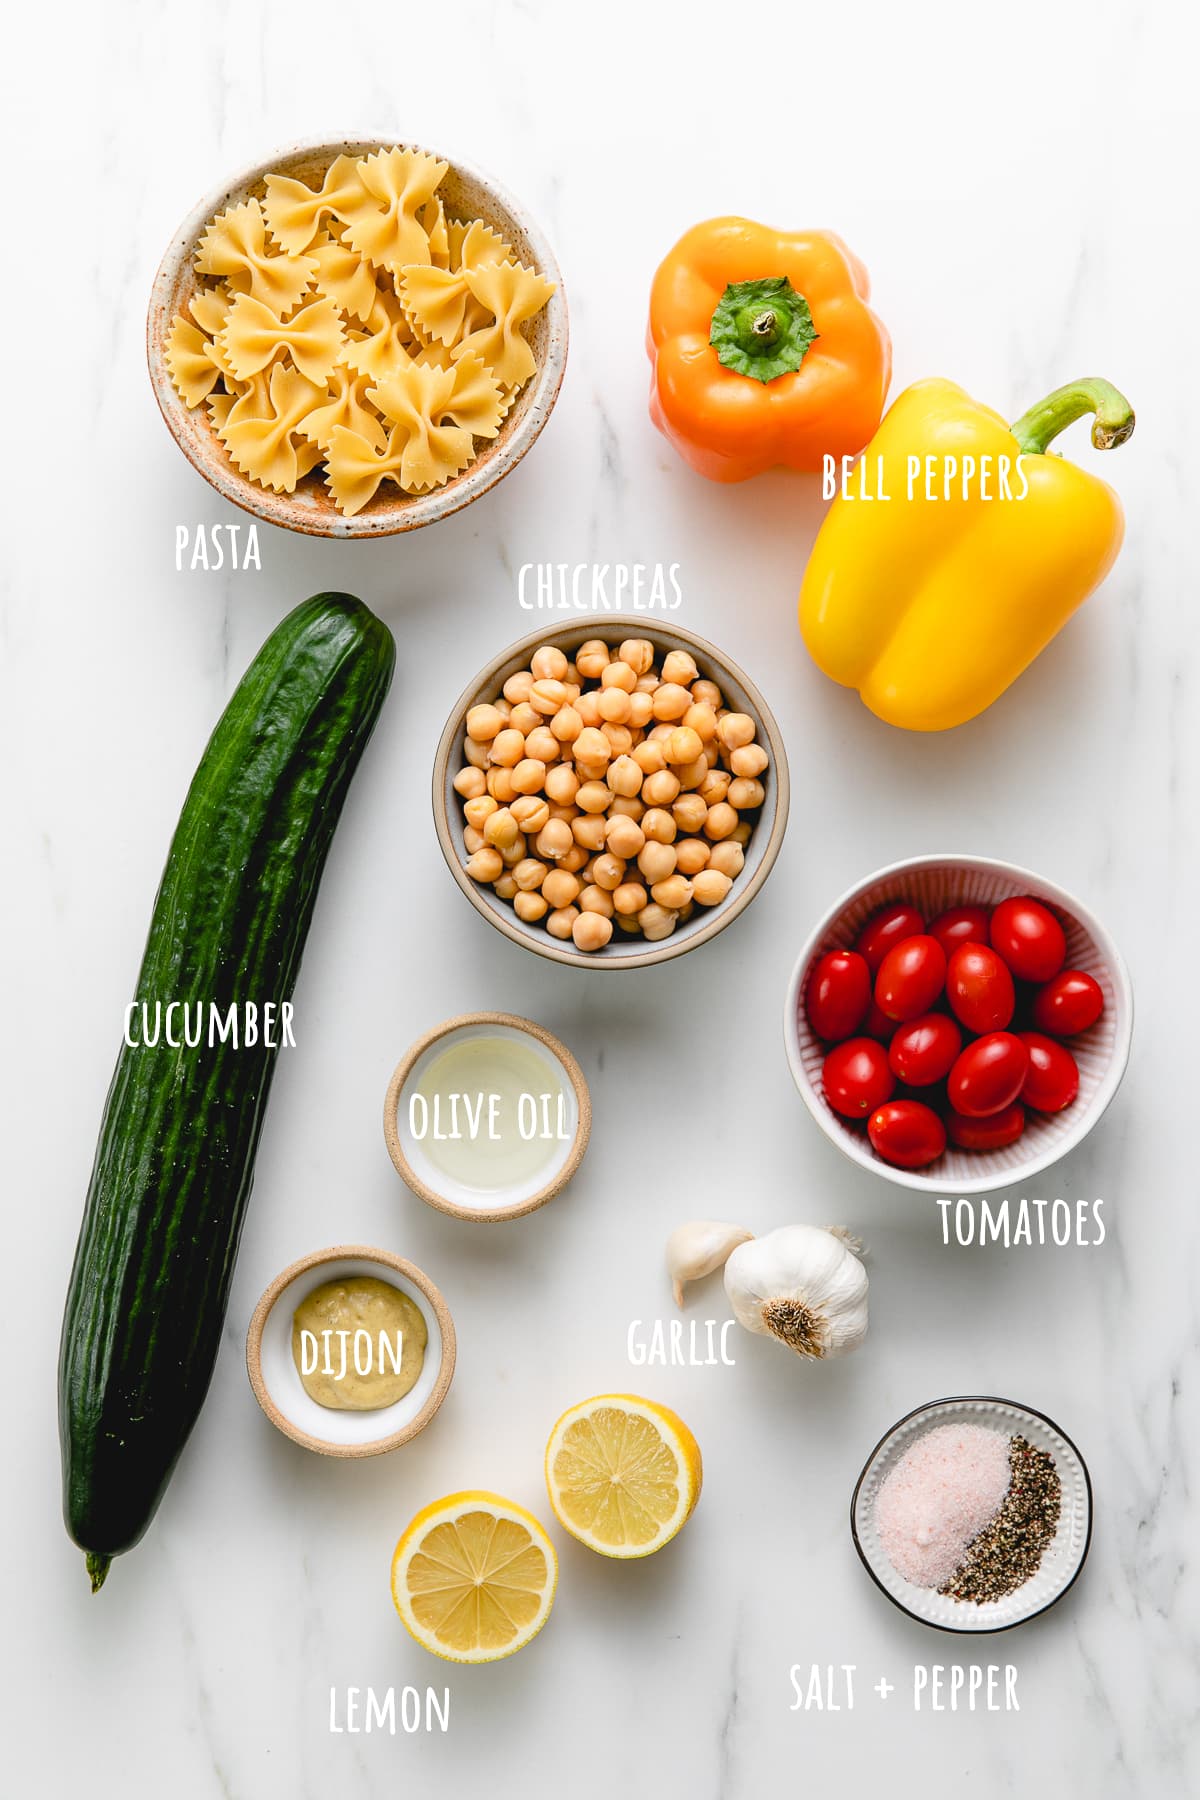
point(933, 883)
point(468, 194)
point(1063, 1558)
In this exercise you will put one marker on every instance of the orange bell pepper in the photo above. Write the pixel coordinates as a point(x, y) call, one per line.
point(764, 349)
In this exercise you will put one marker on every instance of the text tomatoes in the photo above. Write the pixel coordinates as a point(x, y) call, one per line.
point(960, 925)
point(911, 977)
point(980, 988)
point(1029, 938)
point(907, 1133)
point(992, 1133)
point(839, 995)
point(887, 929)
point(856, 1077)
point(1052, 1078)
point(923, 1051)
point(1071, 1002)
point(988, 1075)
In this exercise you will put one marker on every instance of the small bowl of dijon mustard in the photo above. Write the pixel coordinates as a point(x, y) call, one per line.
point(351, 1351)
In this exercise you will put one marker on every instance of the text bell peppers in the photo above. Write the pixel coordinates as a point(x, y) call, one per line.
point(932, 601)
point(764, 349)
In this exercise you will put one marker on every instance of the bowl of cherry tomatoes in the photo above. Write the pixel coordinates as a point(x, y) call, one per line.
point(956, 1024)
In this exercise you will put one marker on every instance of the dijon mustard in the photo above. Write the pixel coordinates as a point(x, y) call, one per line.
point(358, 1343)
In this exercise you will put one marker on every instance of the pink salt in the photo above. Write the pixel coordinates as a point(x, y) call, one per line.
point(938, 1498)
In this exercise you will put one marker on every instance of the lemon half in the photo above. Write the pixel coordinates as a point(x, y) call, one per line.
point(473, 1577)
point(624, 1474)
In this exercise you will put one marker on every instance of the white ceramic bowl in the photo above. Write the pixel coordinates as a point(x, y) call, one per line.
point(1063, 1558)
point(933, 883)
point(468, 194)
point(276, 1380)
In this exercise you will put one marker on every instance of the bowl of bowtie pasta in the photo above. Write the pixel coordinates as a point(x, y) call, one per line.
point(356, 338)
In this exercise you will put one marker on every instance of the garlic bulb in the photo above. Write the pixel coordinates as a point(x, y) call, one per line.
point(697, 1249)
point(803, 1285)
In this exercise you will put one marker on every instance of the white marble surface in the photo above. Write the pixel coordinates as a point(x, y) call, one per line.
point(1016, 180)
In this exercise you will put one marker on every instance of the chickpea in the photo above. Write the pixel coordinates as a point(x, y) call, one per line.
point(554, 840)
point(661, 735)
point(595, 900)
point(690, 811)
point(714, 787)
point(501, 829)
point(624, 777)
point(592, 746)
point(710, 887)
point(671, 701)
point(589, 830)
point(486, 865)
point(627, 923)
point(470, 783)
point(474, 840)
point(721, 822)
point(659, 825)
point(656, 861)
point(707, 693)
point(560, 888)
point(529, 873)
point(508, 747)
point(641, 711)
point(588, 707)
point(524, 719)
point(672, 893)
point(615, 705)
point(649, 756)
point(483, 722)
point(593, 797)
point(541, 745)
point(592, 658)
point(547, 696)
point(562, 785)
point(661, 789)
point(477, 812)
point(727, 858)
point(575, 859)
point(744, 795)
point(529, 906)
point(548, 664)
point(608, 871)
point(638, 653)
point(505, 888)
point(656, 922)
point(678, 666)
point(591, 931)
point(702, 720)
point(515, 852)
point(531, 812)
point(529, 777)
point(749, 761)
point(623, 836)
point(742, 834)
point(566, 724)
point(569, 813)
point(503, 707)
point(517, 687)
point(619, 675)
point(690, 775)
point(476, 754)
point(684, 745)
point(500, 786)
point(627, 806)
point(590, 771)
point(647, 683)
point(736, 730)
point(691, 855)
point(559, 923)
point(620, 738)
point(630, 897)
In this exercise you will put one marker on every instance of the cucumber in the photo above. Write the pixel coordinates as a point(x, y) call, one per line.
point(175, 1159)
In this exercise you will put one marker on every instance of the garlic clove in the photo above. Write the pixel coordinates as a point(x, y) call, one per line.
point(698, 1248)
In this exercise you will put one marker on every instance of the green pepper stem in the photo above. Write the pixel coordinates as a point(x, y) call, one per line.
point(98, 1566)
point(1036, 429)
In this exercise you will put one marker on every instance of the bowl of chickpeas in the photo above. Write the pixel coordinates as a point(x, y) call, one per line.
point(611, 801)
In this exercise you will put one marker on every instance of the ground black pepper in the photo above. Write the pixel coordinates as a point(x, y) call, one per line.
point(1009, 1549)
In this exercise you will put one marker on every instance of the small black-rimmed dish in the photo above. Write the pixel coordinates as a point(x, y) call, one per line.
point(1063, 1558)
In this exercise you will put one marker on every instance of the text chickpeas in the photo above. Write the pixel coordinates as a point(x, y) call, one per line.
point(617, 789)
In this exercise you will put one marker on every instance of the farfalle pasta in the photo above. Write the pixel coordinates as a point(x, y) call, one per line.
point(356, 327)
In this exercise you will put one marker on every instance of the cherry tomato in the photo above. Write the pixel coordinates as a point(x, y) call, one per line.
point(911, 977)
point(907, 1133)
point(886, 929)
point(992, 1133)
point(1052, 1079)
point(924, 1050)
point(1069, 1003)
point(839, 994)
point(960, 925)
point(878, 1025)
point(856, 1077)
point(988, 1075)
point(980, 988)
point(1029, 938)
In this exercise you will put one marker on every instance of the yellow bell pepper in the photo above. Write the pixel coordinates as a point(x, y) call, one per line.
point(957, 548)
